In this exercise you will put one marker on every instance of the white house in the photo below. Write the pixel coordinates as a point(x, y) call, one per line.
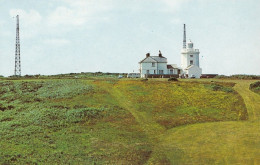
point(156, 66)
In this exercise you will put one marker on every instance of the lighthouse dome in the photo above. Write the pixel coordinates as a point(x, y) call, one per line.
point(190, 45)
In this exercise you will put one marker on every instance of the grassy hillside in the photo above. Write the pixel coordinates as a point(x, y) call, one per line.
point(106, 121)
point(217, 143)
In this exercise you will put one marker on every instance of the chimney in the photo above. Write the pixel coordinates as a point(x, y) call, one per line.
point(147, 54)
point(160, 54)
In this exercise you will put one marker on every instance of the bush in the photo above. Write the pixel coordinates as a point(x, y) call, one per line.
point(239, 76)
point(84, 114)
point(146, 79)
point(173, 79)
point(63, 89)
point(255, 87)
point(218, 87)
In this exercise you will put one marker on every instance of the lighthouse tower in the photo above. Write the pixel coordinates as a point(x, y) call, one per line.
point(190, 59)
point(190, 56)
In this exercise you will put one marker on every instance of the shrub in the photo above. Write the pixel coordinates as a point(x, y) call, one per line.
point(218, 87)
point(173, 79)
point(255, 87)
point(221, 77)
point(3, 108)
point(84, 114)
point(239, 76)
point(63, 89)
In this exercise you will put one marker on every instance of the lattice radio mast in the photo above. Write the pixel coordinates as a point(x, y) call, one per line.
point(17, 69)
point(184, 37)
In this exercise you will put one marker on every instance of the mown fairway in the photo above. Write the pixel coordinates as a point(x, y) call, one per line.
point(106, 121)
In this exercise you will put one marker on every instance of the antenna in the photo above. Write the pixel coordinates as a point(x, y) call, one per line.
point(184, 37)
point(17, 69)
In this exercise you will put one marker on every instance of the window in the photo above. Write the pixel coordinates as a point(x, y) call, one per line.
point(171, 71)
point(160, 71)
point(191, 62)
point(154, 72)
point(147, 71)
point(191, 55)
point(153, 64)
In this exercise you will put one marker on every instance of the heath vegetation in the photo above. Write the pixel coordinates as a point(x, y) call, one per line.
point(255, 87)
point(108, 121)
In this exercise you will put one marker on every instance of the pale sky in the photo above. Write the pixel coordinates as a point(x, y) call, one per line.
point(68, 36)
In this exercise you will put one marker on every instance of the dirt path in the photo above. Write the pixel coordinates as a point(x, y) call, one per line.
point(251, 99)
point(152, 129)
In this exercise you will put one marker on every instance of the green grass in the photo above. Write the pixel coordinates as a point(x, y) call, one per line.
point(216, 143)
point(107, 121)
point(185, 102)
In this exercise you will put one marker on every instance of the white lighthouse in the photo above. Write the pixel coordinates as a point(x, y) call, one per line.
point(190, 59)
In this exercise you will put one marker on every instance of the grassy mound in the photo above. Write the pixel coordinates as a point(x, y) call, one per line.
point(230, 142)
point(173, 104)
